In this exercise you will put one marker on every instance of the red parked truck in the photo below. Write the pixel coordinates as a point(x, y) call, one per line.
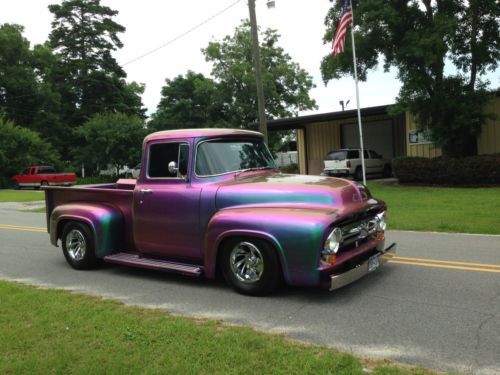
point(40, 175)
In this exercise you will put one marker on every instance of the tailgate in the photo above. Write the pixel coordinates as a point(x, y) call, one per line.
point(336, 164)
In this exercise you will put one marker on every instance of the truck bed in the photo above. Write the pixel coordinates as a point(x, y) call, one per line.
point(119, 195)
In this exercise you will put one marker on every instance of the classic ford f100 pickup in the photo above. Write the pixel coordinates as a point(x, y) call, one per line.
point(211, 201)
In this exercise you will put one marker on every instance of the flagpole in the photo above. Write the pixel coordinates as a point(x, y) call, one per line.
point(357, 99)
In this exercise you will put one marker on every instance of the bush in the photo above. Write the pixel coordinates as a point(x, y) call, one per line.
point(5, 182)
point(473, 170)
point(20, 148)
point(290, 168)
point(96, 180)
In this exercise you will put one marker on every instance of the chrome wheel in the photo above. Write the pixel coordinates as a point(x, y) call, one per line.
point(76, 245)
point(246, 262)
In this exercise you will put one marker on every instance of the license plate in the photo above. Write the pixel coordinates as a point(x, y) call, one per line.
point(373, 263)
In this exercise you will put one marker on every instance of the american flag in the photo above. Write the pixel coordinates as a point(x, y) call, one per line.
point(345, 20)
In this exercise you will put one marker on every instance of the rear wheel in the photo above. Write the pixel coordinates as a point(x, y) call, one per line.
point(78, 245)
point(16, 186)
point(44, 183)
point(251, 266)
point(358, 174)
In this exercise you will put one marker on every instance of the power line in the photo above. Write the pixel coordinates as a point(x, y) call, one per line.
point(159, 47)
point(183, 34)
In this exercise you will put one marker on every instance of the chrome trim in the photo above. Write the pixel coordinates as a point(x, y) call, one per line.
point(359, 230)
point(76, 245)
point(246, 262)
point(338, 281)
point(178, 154)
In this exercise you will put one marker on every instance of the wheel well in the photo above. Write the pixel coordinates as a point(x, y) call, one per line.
point(220, 251)
point(62, 224)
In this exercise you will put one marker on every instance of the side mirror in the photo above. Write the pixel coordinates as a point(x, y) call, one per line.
point(172, 167)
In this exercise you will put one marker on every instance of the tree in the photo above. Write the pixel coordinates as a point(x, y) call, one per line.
point(34, 149)
point(18, 84)
point(420, 38)
point(111, 138)
point(88, 77)
point(26, 91)
point(193, 101)
point(230, 100)
point(286, 85)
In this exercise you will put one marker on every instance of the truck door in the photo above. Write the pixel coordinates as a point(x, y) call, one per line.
point(166, 206)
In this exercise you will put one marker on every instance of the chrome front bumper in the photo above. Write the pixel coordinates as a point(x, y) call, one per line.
point(338, 281)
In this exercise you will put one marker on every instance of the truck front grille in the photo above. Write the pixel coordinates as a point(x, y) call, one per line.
point(356, 233)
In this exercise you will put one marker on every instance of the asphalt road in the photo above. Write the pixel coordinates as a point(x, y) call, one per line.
point(435, 314)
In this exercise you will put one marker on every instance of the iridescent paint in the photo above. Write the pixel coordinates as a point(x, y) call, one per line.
point(188, 219)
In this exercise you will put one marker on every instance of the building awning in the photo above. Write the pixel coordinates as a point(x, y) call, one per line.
point(300, 121)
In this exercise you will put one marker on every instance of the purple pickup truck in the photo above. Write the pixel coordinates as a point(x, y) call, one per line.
point(211, 201)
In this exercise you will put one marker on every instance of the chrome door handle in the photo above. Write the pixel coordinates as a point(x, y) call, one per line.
point(146, 191)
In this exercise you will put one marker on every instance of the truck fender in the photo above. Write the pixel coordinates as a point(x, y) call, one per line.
point(296, 236)
point(105, 222)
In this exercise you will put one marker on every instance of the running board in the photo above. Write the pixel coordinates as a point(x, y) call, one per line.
point(134, 260)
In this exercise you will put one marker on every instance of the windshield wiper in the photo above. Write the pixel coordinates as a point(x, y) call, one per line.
point(237, 174)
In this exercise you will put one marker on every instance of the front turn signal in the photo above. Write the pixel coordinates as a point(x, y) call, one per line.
point(331, 259)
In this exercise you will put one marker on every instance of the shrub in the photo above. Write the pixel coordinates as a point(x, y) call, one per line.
point(473, 170)
point(91, 180)
point(19, 148)
point(290, 168)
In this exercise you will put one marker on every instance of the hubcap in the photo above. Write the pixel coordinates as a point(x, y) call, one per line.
point(76, 245)
point(246, 262)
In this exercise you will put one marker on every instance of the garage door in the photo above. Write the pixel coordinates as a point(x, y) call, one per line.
point(377, 136)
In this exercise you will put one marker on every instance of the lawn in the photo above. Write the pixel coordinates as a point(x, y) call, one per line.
point(461, 210)
point(7, 195)
point(51, 331)
point(464, 210)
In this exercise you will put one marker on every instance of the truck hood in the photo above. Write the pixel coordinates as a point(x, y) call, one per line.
point(290, 190)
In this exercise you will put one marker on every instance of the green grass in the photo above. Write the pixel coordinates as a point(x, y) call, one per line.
point(7, 195)
point(461, 210)
point(50, 331)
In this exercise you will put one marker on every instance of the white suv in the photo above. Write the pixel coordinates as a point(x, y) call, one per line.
point(347, 162)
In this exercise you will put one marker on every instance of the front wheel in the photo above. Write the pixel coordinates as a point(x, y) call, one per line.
point(78, 245)
point(251, 266)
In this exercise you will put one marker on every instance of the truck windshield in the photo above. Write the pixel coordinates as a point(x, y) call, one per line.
point(225, 156)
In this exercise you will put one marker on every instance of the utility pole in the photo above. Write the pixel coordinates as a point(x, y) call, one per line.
point(258, 73)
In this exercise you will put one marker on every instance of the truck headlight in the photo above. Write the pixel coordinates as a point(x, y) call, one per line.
point(382, 221)
point(333, 241)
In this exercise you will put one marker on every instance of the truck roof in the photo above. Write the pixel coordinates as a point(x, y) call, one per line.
point(205, 132)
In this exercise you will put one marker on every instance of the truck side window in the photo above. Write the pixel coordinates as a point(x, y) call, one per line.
point(353, 154)
point(160, 154)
